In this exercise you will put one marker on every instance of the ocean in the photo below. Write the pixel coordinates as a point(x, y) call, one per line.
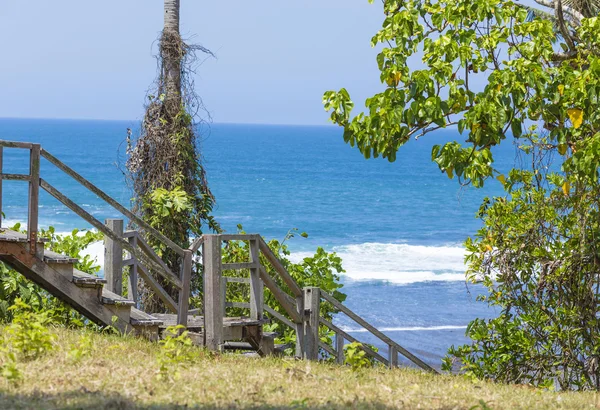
point(398, 227)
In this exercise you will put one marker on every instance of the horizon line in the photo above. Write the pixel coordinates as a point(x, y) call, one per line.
point(130, 120)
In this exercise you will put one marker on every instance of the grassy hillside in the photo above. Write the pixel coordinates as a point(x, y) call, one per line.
point(92, 371)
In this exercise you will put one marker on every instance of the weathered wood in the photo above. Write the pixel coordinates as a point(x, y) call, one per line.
point(130, 234)
point(312, 303)
point(196, 244)
point(16, 177)
point(280, 317)
point(138, 221)
point(6, 235)
point(283, 298)
point(392, 356)
point(236, 237)
point(239, 305)
point(113, 257)
point(100, 226)
point(376, 332)
point(34, 197)
point(352, 339)
point(300, 327)
point(231, 279)
point(339, 348)
point(85, 300)
point(238, 266)
point(147, 249)
point(278, 266)
point(327, 348)
point(184, 293)
point(15, 144)
point(132, 287)
point(157, 288)
point(256, 284)
point(213, 306)
point(1, 178)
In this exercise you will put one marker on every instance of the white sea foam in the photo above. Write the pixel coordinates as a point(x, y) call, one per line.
point(399, 263)
point(405, 329)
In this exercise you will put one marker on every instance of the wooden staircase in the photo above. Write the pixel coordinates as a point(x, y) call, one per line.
point(103, 300)
point(83, 292)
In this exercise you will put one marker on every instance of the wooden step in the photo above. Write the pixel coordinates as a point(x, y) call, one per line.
point(6, 235)
point(245, 346)
point(110, 298)
point(84, 280)
point(57, 258)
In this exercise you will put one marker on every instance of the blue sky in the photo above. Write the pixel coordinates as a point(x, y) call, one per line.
point(275, 58)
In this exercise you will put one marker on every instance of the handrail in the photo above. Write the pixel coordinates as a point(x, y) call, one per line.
point(100, 226)
point(278, 266)
point(73, 174)
point(376, 332)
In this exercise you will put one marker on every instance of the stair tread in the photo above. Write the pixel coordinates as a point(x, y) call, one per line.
point(248, 346)
point(53, 257)
point(8, 235)
point(139, 318)
point(110, 298)
point(80, 278)
point(170, 319)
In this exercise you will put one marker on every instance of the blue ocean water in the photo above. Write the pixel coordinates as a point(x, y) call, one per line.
point(397, 226)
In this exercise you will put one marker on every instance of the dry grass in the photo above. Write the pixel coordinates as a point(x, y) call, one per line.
point(122, 373)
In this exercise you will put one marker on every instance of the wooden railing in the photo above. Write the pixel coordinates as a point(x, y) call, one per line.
point(143, 258)
point(301, 307)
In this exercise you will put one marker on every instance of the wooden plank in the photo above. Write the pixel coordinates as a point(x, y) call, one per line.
point(236, 237)
point(69, 171)
point(159, 290)
point(100, 226)
point(300, 327)
point(327, 348)
point(240, 305)
point(16, 177)
point(53, 257)
point(147, 249)
point(15, 144)
point(238, 266)
point(280, 317)
point(130, 234)
point(257, 286)
point(286, 302)
point(195, 246)
point(6, 235)
point(352, 339)
point(339, 348)
point(1, 178)
point(34, 198)
point(231, 279)
point(377, 333)
point(184, 293)
point(278, 266)
point(133, 273)
point(143, 319)
point(312, 303)
point(393, 356)
point(213, 305)
point(113, 257)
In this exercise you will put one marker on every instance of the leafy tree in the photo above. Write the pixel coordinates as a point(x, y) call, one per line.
point(537, 252)
point(164, 164)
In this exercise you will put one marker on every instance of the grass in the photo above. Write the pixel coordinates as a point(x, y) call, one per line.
point(94, 371)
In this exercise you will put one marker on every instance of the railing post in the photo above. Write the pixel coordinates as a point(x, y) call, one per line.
point(1, 181)
point(312, 303)
point(393, 356)
point(213, 307)
point(113, 257)
point(133, 274)
point(339, 348)
point(256, 284)
point(300, 327)
point(34, 195)
point(184, 293)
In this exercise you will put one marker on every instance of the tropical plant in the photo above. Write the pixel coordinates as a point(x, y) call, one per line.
point(537, 252)
point(164, 164)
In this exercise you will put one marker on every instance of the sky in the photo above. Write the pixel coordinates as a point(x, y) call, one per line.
point(274, 58)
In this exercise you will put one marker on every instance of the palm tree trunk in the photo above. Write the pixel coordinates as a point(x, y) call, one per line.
point(172, 55)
